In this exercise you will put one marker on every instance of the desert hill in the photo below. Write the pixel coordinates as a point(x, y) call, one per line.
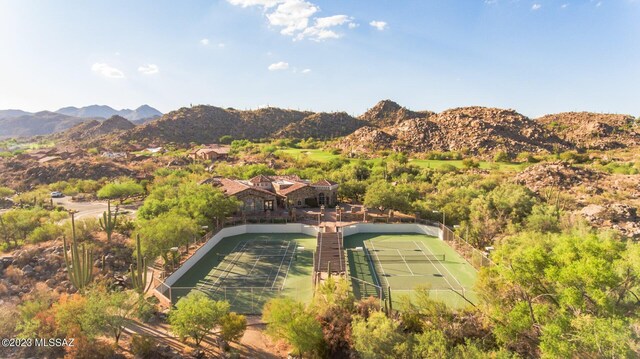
point(480, 131)
point(388, 113)
point(94, 128)
point(594, 130)
point(322, 126)
point(206, 124)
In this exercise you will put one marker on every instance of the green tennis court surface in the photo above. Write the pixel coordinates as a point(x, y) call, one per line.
point(249, 269)
point(406, 261)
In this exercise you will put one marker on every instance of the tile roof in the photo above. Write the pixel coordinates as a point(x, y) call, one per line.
point(260, 179)
point(233, 187)
point(293, 188)
point(324, 182)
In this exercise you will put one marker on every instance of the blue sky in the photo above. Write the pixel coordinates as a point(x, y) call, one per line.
point(538, 57)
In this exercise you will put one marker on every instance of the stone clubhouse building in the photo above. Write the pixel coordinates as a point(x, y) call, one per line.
point(269, 193)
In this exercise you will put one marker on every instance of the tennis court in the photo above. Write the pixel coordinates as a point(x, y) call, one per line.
point(250, 269)
point(406, 261)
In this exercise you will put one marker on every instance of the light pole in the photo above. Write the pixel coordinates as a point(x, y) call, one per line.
point(443, 217)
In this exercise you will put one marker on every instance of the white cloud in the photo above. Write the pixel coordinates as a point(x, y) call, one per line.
point(353, 25)
point(150, 69)
point(296, 18)
point(107, 71)
point(380, 25)
point(535, 7)
point(221, 45)
point(247, 3)
point(204, 41)
point(306, 71)
point(292, 15)
point(564, 6)
point(278, 66)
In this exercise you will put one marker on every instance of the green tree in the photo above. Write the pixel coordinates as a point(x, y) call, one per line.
point(560, 290)
point(383, 195)
point(110, 311)
point(232, 327)
point(377, 337)
point(196, 315)
point(120, 190)
point(287, 320)
point(164, 232)
point(226, 139)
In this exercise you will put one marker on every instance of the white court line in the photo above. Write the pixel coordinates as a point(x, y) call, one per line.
point(384, 274)
point(232, 264)
point(405, 261)
point(288, 268)
point(445, 268)
point(255, 263)
point(222, 261)
point(280, 266)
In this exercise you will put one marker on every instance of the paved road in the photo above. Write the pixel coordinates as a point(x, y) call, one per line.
point(93, 209)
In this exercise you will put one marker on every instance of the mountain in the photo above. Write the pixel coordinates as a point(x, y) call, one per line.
point(598, 131)
point(13, 113)
point(479, 131)
point(141, 114)
point(40, 123)
point(206, 124)
point(321, 125)
point(92, 129)
point(388, 113)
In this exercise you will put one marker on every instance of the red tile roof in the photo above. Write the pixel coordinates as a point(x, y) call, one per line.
point(324, 182)
point(293, 188)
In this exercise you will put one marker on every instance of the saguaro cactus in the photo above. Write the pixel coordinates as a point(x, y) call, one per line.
point(79, 263)
point(109, 221)
point(139, 274)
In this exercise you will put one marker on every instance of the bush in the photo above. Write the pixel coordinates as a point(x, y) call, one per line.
point(470, 163)
point(574, 157)
point(142, 346)
point(501, 156)
point(47, 232)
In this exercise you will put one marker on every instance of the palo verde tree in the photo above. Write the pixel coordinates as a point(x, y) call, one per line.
point(79, 263)
point(573, 294)
point(196, 315)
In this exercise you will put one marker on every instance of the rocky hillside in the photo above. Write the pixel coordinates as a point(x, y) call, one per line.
point(321, 125)
point(24, 174)
point(206, 124)
point(594, 130)
point(388, 113)
point(479, 131)
point(92, 129)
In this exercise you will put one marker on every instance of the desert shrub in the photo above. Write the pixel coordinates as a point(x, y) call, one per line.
point(84, 228)
point(470, 163)
point(46, 232)
point(501, 156)
point(142, 346)
point(573, 157)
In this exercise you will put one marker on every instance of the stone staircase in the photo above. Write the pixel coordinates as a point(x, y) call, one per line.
point(329, 252)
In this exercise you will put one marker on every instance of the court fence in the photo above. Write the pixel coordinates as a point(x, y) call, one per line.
point(243, 300)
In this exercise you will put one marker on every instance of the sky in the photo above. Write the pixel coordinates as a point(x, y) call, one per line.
point(535, 56)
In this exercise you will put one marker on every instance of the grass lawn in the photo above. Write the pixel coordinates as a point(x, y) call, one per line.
point(323, 156)
point(247, 279)
point(404, 262)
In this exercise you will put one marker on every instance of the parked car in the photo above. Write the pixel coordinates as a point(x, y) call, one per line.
point(57, 194)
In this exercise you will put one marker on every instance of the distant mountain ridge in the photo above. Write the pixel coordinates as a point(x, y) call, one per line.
point(144, 112)
point(19, 123)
